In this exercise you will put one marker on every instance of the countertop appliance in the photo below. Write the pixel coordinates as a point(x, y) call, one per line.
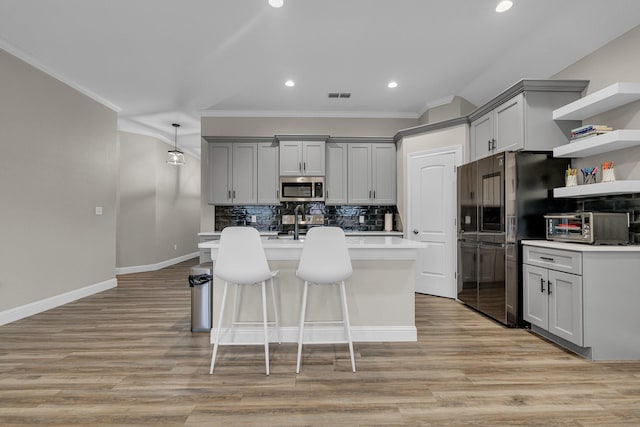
point(502, 199)
point(595, 228)
point(302, 189)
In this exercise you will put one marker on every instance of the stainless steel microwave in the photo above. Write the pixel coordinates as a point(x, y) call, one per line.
point(302, 189)
point(595, 228)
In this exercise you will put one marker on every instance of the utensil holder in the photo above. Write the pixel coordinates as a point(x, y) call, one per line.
point(570, 180)
point(608, 175)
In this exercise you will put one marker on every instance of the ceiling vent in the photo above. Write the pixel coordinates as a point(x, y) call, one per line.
point(339, 94)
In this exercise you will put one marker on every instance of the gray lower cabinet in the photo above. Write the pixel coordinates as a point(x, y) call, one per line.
point(584, 297)
point(336, 178)
point(553, 301)
point(232, 173)
point(371, 174)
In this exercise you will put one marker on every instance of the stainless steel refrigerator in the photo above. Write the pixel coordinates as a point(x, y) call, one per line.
point(502, 200)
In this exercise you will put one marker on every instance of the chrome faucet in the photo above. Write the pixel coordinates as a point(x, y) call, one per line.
point(296, 226)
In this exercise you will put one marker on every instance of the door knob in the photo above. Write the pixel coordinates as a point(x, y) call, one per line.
point(415, 231)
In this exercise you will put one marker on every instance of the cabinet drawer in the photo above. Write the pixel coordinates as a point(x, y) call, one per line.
point(554, 259)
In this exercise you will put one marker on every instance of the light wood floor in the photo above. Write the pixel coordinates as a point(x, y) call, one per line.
point(127, 357)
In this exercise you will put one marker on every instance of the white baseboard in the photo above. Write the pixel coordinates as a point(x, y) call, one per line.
point(254, 335)
point(36, 307)
point(158, 266)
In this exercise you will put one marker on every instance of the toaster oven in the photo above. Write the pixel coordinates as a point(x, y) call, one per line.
point(595, 228)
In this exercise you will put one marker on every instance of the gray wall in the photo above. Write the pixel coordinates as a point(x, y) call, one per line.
point(269, 126)
point(617, 61)
point(159, 203)
point(458, 107)
point(58, 163)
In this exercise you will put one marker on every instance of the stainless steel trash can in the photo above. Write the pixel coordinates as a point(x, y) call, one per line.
point(200, 279)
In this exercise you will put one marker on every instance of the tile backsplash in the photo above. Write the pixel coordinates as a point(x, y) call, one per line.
point(629, 203)
point(269, 217)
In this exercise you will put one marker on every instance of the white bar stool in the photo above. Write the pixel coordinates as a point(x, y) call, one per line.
point(325, 260)
point(242, 261)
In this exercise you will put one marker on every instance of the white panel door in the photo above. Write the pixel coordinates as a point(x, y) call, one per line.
point(291, 158)
point(383, 174)
point(359, 172)
point(535, 301)
point(336, 180)
point(432, 207)
point(509, 124)
point(245, 168)
point(313, 158)
point(565, 306)
point(220, 176)
point(268, 173)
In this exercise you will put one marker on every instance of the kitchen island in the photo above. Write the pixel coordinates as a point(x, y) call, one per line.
point(380, 293)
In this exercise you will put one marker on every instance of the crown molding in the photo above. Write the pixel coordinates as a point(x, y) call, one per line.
point(309, 114)
point(34, 63)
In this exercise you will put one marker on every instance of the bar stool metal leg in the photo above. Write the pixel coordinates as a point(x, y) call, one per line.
point(264, 322)
point(303, 310)
point(218, 330)
point(347, 325)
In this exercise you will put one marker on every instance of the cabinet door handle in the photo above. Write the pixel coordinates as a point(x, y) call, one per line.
point(369, 193)
point(489, 145)
point(374, 194)
point(546, 258)
point(277, 194)
point(327, 196)
point(300, 166)
point(304, 166)
point(493, 143)
point(549, 287)
point(541, 285)
point(234, 194)
point(229, 194)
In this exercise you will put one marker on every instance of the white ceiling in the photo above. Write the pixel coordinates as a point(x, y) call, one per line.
point(157, 62)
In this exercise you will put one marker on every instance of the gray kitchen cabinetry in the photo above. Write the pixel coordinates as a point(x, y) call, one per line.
point(302, 158)
point(336, 179)
point(371, 173)
point(552, 291)
point(233, 173)
point(592, 307)
point(520, 118)
point(268, 173)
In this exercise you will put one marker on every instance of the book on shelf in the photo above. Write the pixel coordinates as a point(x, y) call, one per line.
point(589, 130)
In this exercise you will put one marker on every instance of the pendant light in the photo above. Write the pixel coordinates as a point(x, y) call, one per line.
point(175, 156)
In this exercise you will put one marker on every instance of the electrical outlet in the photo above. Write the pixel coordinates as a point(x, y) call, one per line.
point(175, 247)
point(98, 210)
point(253, 218)
point(361, 219)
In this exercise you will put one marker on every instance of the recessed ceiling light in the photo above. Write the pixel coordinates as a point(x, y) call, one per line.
point(503, 6)
point(392, 85)
point(289, 83)
point(276, 3)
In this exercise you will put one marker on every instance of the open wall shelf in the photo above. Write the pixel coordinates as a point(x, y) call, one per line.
point(598, 189)
point(599, 144)
point(614, 96)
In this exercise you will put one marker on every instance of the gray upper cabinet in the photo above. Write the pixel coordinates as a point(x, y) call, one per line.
point(268, 171)
point(372, 174)
point(232, 173)
point(302, 158)
point(336, 179)
point(520, 118)
point(220, 177)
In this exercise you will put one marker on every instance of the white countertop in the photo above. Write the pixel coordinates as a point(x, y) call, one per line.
point(580, 247)
point(360, 247)
point(347, 233)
